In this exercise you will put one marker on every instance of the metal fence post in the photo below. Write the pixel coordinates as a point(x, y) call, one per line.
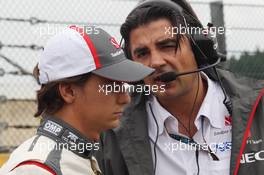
point(217, 17)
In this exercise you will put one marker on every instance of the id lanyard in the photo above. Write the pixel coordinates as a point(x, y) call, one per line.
point(185, 140)
point(198, 147)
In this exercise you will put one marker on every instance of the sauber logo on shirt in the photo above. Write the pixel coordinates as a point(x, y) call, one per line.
point(252, 157)
point(228, 120)
point(115, 43)
point(52, 127)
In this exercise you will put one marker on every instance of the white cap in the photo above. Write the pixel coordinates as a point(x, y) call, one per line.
point(74, 52)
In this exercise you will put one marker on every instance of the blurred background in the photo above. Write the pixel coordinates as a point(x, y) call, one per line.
point(25, 26)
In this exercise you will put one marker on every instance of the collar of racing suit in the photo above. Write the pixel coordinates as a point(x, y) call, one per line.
point(66, 136)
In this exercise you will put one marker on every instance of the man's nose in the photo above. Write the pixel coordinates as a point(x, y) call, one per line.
point(156, 60)
point(123, 98)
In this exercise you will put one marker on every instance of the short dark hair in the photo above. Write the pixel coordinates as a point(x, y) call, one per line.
point(49, 99)
point(148, 14)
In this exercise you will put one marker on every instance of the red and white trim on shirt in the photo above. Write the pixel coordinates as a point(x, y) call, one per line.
point(38, 164)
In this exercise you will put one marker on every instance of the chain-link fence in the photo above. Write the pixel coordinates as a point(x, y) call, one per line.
point(25, 26)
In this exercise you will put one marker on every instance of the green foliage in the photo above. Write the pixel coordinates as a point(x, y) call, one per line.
point(251, 65)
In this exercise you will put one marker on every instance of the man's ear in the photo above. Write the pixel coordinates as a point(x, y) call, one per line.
point(67, 92)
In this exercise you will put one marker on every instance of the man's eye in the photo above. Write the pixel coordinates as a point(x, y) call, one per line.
point(141, 54)
point(169, 46)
